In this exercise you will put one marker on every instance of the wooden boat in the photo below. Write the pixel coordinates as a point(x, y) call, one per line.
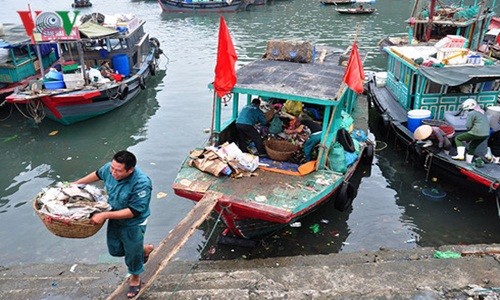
point(253, 206)
point(83, 93)
point(408, 87)
point(18, 61)
point(430, 22)
point(337, 2)
point(184, 6)
point(356, 10)
point(81, 3)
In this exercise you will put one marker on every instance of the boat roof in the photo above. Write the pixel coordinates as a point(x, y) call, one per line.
point(452, 75)
point(93, 30)
point(14, 35)
point(314, 82)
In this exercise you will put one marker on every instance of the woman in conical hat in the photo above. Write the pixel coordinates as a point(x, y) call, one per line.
point(432, 133)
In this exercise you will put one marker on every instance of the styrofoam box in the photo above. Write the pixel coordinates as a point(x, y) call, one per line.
point(457, 59)
point(73, 80)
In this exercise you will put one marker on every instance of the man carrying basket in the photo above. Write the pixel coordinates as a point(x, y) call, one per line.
point(129, 194)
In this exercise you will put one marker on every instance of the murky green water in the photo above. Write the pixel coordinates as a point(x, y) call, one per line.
point(168, 120)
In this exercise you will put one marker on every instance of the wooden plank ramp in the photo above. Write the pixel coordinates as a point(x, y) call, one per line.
point(162, 254)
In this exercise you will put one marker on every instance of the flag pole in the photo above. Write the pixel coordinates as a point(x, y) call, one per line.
point(323, 146)
point(211, 139)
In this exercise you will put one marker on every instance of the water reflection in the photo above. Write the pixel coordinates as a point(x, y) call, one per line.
point(36, 159)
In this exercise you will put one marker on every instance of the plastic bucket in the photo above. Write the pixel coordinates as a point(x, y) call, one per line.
point(120, 64)
point(416, 116)
point(494, 115)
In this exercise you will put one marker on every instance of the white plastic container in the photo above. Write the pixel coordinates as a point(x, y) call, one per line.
point(380, 79)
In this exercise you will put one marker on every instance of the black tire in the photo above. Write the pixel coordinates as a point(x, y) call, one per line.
point(345, 196)
point(345, 139)
point(368, 154)
point(123, 91)
point(152, 68)
point(155, 41)
point(142, 84)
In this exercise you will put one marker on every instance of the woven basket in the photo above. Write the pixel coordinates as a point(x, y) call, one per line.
point(280, 150)
point(66, 227)
point(269, 115)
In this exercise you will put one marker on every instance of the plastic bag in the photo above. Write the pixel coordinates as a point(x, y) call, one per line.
point(337, 158)
point(248, 162)
point(276, 125)
point(447, 254)
point(293, 107)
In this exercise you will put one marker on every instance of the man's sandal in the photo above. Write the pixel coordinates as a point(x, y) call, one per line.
point(133, 290)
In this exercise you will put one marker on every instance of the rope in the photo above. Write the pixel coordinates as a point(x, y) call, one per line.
point(178, 286)
point(498, 204)
point(428, 164)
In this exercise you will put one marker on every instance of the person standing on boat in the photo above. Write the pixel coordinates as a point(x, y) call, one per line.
point(250, 116)
point(432, 134)
point(129, 194)
point(478, 130)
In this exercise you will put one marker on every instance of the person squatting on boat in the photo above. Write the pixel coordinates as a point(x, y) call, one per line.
point(478, 130)
point(432, 134)
point(314, 137)
point(106, 70)
point(249, 116)
point(129, 192)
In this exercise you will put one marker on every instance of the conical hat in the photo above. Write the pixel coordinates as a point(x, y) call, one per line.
point(422, 132)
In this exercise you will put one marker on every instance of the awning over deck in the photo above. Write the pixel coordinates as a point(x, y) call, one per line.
point(14, 35)
point(307, 82)
point(94, 31)
point(454, 76)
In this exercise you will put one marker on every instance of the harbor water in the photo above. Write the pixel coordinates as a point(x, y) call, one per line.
point(170, 117)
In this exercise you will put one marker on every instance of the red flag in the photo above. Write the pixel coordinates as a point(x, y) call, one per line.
point(225, 74)
point(354, 75)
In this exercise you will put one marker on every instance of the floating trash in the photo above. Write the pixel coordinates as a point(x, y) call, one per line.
point(434, 194)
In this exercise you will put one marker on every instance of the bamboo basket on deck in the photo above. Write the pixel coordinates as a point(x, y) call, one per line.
point(280, 150)
point(66, 227)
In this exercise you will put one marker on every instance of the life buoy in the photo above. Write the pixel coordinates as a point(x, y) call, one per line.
point(368, 154)
point(345, 139)
point(122, 91)
point(345, 196)
point(152, 68)
point(142, 84)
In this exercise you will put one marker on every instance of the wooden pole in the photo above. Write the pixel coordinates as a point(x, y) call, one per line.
point(162, 255)
point(213, 121)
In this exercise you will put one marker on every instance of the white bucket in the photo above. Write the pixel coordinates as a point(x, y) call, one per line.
point(494, 115)
point(416, 116)
point(380, 79)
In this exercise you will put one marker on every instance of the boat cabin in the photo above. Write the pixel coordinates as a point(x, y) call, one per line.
point(440, 79)
point(18, 59)
point(311, 82)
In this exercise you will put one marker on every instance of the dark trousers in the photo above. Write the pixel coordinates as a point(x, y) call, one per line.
point(248, 132)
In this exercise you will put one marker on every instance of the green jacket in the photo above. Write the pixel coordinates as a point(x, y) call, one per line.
point(477, 123)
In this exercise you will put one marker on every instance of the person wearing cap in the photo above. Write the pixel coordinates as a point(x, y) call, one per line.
point(432, 133)
point(478, 130)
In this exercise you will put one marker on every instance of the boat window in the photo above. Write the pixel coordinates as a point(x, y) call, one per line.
point(397, 70)
point(489, 86)
point(432, 88)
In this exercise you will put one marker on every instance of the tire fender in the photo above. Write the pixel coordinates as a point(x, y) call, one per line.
point(345, 139)
point(152, 68)
point(368, 154)
point(122, 91)
point(142, 84)
point(345, 196)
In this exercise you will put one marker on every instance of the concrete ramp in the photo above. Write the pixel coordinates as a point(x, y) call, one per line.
point(161, 256)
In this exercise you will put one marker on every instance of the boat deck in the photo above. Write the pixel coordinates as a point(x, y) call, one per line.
point(280, 194)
